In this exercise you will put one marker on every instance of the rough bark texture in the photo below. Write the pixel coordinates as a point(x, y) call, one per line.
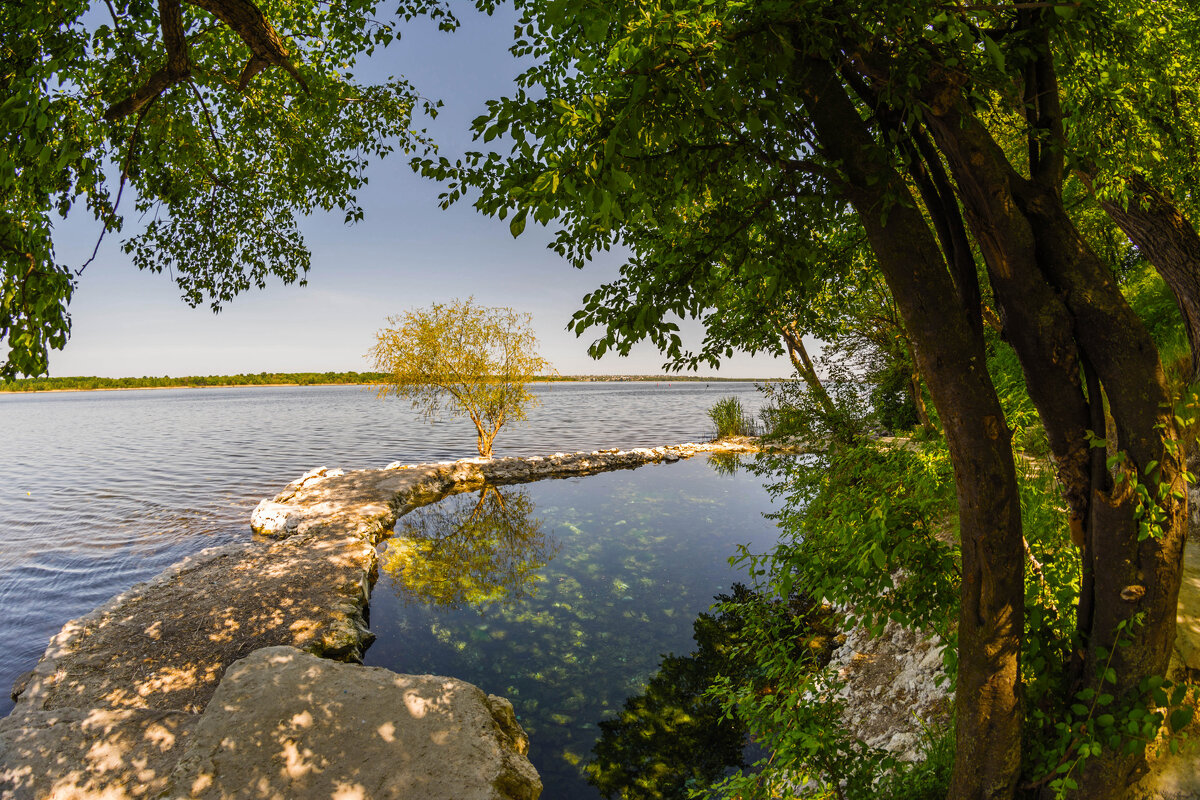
point(1035, 320)
point(1060, 305)
point(1170, 243)
point(1131, 576)
point(950, 356)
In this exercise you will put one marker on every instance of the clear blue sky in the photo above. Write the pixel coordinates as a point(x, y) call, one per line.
point(406, 253)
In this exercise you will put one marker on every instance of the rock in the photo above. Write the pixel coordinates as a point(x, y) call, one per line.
point(106, 753)
point(273, 519)
point(891, 692)
point(164, 644)
point(293, 726)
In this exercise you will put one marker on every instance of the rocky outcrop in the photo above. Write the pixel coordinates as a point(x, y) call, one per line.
point(297, 727)
point(322, 496)
point(112, 702)
point(893, 688)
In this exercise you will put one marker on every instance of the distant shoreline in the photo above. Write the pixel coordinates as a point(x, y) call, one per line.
point(276, 380)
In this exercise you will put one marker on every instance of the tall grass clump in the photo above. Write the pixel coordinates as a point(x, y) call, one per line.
point(731, 419)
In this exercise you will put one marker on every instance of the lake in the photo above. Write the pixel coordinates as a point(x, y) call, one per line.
point(562, 595)
point(102, 490)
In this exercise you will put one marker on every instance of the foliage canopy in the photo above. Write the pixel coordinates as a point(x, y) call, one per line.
point(221, 122)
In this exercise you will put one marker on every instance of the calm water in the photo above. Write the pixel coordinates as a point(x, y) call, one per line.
point(563, 595)
point(100, 490)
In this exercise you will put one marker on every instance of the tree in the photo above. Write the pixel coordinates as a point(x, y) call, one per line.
point(939, 130)
point(224, 121)
point(472, 359)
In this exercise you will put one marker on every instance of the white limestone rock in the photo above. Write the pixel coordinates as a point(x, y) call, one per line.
point(296, 727)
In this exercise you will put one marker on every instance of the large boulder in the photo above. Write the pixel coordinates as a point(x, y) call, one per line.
point(286, 725)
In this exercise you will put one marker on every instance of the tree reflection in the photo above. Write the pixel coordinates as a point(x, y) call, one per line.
point(675, 737)
point(477, 551)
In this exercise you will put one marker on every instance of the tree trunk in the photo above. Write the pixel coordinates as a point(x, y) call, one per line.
point(1133, 574)
point(1170, 243)
point(918, 395)
point(1064, 311)
point(1035, 320)
point(918, 398)
point(950, 356)
point(804, 367)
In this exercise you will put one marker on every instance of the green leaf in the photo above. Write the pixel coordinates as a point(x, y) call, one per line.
point(517, 225)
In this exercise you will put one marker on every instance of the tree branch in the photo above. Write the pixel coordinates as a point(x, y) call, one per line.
point(177, 69)
point(248, 22)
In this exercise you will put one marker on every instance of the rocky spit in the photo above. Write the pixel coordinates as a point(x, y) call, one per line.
point(219, 677)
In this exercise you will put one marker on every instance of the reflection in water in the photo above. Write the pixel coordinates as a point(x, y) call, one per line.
point(675, 737)
point(470, 551)
point(639, 554)
point(725, 463)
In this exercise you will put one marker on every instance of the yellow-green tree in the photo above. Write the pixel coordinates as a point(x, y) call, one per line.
point(463, 359)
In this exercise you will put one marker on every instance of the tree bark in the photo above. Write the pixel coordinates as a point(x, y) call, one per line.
point(1170, 243)
point(1063, 310)
point(1035, 320)
point(804, 366)
point(951, 358)
point(918, 396)
point(1134, 574)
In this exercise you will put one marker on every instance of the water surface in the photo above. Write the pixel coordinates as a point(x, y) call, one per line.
point(563, 595)
point(100, 490)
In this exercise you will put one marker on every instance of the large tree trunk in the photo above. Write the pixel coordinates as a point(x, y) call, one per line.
point(950, 355)
point(1063, 311)
point(1134, 574)
point(1036, 322)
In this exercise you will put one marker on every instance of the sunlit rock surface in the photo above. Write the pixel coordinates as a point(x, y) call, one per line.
point(107, 753)
point(892, 693)
point(286, 725)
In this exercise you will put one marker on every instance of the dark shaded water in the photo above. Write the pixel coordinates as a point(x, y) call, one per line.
point(100, 490)
point(586, 583)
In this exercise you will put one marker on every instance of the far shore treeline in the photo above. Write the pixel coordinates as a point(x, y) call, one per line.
point(281, 379)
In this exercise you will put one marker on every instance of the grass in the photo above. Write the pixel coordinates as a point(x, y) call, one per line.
point(731, 419)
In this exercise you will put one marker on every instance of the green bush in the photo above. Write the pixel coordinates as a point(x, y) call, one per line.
point(731, 419)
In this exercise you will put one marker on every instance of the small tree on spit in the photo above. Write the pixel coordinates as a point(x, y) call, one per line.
point(461, 359)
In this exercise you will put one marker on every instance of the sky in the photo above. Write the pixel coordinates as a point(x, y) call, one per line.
point(406, 253)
